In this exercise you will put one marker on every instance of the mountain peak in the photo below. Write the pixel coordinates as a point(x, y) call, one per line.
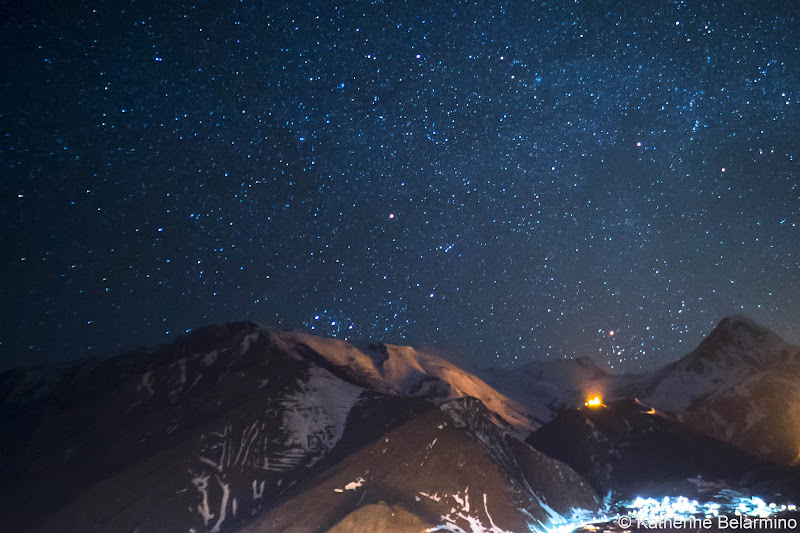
point(737, 347)
point(743, 324)
point(738, 335)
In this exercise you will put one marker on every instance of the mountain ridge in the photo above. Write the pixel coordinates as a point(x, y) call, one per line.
point(226, 422)
point(239, 424)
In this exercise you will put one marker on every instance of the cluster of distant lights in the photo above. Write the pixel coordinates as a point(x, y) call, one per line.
point(681, 508)
point(674, 510)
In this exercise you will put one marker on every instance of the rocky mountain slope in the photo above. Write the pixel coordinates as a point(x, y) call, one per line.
point(247, 427)
point(230, 422)
point(632, 449)
point(450, 469)
point(742, 385)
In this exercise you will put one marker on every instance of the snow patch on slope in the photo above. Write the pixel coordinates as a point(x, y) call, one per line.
point(314, 418)
point(460, 515)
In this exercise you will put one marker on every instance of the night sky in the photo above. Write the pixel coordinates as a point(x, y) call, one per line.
point(509, 181)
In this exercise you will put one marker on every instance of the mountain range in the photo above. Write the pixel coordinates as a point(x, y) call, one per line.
point(245, 427)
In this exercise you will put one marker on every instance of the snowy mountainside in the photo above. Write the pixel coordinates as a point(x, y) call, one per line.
point(548, 386)
point(230, 418)
point(736, 349)
point(760, 414)
point(216, 427)
point(404, 371)
point(241, 424)
point(741, 384)
point(451, 469)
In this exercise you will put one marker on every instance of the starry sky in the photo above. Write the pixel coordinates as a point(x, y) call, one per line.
point(504, 180)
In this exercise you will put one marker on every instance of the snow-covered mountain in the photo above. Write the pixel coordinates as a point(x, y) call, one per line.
point(741, 384)
point(404, 371)
point(230, 422)
point(737, 348)
point(243, 427)
point(547, 387)
point(450, 469)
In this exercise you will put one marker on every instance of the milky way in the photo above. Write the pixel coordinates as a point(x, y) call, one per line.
point(507, 181)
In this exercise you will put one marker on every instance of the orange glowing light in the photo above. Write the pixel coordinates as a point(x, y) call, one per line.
point(594, 401)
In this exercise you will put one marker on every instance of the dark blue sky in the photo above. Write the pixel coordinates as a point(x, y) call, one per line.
point(506, 180)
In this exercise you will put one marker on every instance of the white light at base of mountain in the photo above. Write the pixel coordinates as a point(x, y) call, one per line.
point(670, 510)
point(652, 510)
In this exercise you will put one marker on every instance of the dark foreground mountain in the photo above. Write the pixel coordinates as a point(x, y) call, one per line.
point(450, 468)
point(245, 426)
point(631, 449)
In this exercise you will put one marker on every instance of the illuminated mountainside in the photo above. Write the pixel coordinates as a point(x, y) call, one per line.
point(230, 422)
point(404, 371)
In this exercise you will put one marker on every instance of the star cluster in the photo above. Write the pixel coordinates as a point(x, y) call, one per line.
point(509, 181)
